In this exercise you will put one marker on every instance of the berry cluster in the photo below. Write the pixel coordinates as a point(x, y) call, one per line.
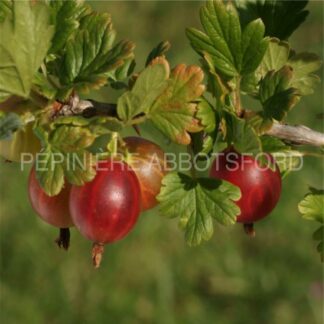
point(106, 209)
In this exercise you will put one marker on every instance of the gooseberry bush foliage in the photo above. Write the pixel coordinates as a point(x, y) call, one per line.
point(52, 53)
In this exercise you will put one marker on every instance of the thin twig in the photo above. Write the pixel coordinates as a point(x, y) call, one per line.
point(298, 134)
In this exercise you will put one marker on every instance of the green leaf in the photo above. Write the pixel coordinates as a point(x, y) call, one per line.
point(43, 86)
point(233, 53)
point(66, 154)
point(148, 86)
point(239, 133)
point(245, 139)
point(276, 94)
point(128, 106)
point(217, 86)
point(5, 9)
point(100, 144)
point(286, 158)
point(249, 85)
point(202, 142)
point(72, 120)
point(79, 167)
point(42, 135)
point(159, 50)
point(49, 171)
point(207, 115)
point(304, 64)
point(117, 77)
point(98, 124)
point(125, 70)
point(202, 44)
point(196, 203)
point(9, 123)
point(151, 82)
point(260, 122)
point(254, 46)
point(312, 206)
point(54, 165)
point(272, 144)
point(275, 57)
point(66, 16)
point(104, 125)
point(167, 99)
point(71, 138)
point(90, 55)
point(281, 18)
point(173, 113)
point(222, 25)
point(29, 29)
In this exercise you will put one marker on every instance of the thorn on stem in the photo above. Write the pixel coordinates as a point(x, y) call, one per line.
point(63, 240)
point(137, 130)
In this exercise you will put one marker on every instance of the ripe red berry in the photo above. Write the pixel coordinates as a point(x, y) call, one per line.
point(260, 185)
point(53, 210)
point(149, 163)
point(107, 208)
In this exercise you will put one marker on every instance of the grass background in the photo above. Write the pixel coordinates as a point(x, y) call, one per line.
point(152, 276)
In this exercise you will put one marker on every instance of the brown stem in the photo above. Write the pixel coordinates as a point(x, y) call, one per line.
point(100, 108)
point(63, 240)
point(249, 229)
point(97, 251)
point(296, 134)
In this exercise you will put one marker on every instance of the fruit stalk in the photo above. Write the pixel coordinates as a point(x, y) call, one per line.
point(63, 240)
point(249, 229)
point(97, 252)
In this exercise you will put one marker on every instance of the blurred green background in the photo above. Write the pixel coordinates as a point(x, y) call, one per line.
point(152, 276)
